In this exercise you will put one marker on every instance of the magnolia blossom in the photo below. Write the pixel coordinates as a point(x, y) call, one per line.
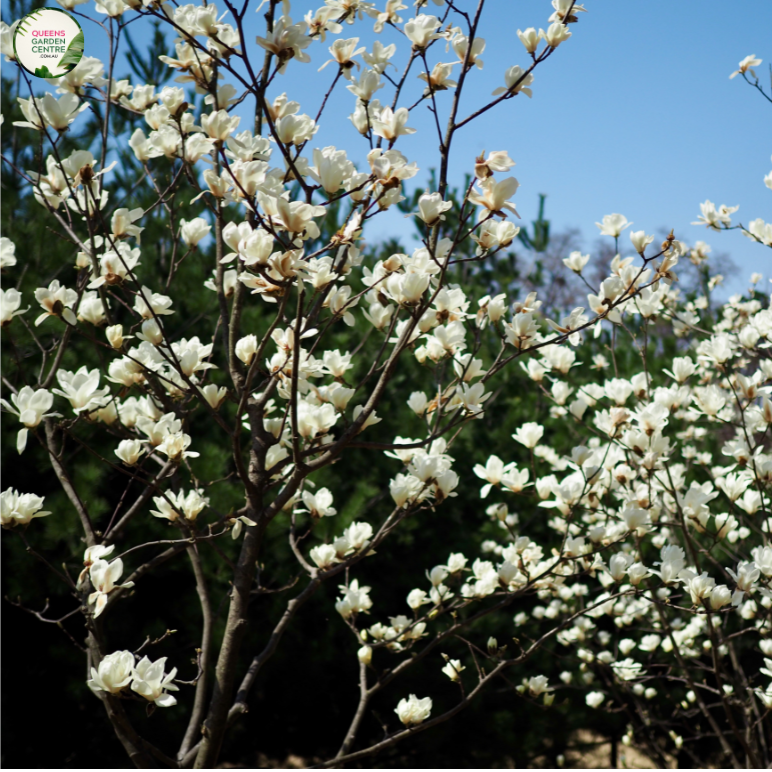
point(529, 434)
point(439, 78)
point(104, 577)
point(613, 225)
point(530, 39)
point(175, 446)
point(595, 699)
point(517, 80)
point(6, 40)
point(391, 125)
point(320, 503)
point(452, 670)
point(81, 389)
point(172, 504)
point(149, 304)
point(431, 207)
point(364, 87)
point(129, 451)
point(324, 555)
point(19, 508)
point(494, 196)
point(31, 406)
point(355, 599)
point(96, 552)
point(714, 218)
point(193, 231)
point(49, 111)
point(343, 53)
point(576, 261)
point(331, 168)
point(640, 240)
point(56, 300)
point(150, 681)
point(412, 711)
point(759, 231)
point(556, 33)
point(10, 302)
point(379, 57)
point(422, 30)
point(747, 65)
point(389, 16)
point(114, 673)
point(7, 252)
point(238, 524)
point(287, 41)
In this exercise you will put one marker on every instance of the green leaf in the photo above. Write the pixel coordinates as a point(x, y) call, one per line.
point(22, 28)
point(77, 44)
point(74, 53)
point(70, 60)
point(44, 72)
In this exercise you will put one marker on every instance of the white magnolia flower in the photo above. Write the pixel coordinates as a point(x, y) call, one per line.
point(452, 670)
point(746, 65)
point(114, 673)
point(412, 711)
point(422, 30)
point(129, 451)
point(173, 504)
point(50, 111)
point(355, 599)
point(494, 196)
point(150, 681)
point(595, 699)
point(324, 555)
point(175, 446)
point(149, 304)
point(31, 406)
point(319, 504)
point(104, 577)
point(82, 389)
point(10, 302)
point(613, 224)
point(286, 41)
point(19, 508)
point(431, 207)
point(529, 434)
point(392, 124)
point(7, 252)
point(91, 554)
point(6, 40)
point(517, 80)
point(56, 300)
point(193, 231)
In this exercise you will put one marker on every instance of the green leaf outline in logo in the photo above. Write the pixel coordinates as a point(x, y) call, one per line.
point(72, 55)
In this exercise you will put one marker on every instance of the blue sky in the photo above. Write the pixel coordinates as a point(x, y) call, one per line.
point(634, 114)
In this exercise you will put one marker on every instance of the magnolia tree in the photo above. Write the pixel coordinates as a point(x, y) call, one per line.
point(650, 570)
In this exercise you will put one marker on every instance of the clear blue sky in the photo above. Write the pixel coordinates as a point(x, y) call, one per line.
point(634, 114)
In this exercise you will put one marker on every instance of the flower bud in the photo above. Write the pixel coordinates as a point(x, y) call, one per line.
point(114, 335)
point(246, 348)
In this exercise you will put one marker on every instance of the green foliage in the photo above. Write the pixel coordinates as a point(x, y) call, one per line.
point(540, 238)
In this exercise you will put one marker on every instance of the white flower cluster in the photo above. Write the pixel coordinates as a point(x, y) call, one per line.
point(633, 525)
point(118, 670)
